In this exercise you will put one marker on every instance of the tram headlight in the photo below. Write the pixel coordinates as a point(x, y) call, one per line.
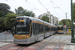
point(27, 36)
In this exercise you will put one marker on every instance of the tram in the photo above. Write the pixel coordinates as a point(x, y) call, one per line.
point(29, 29)
point(60, 29)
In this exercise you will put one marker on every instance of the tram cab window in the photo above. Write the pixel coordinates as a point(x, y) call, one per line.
point(23, 26)
point(60, 28)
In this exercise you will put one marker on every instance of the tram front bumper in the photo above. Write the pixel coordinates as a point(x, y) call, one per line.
point(24, 41)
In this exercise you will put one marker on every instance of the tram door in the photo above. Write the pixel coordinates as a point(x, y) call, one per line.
point(35, 32)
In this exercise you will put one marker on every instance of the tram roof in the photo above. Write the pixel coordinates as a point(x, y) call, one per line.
point(35, 19)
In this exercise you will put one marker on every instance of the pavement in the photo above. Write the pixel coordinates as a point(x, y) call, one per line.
point(68, 46)
point(2, 44)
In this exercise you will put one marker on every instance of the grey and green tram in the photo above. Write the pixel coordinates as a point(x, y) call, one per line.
point(30, 29)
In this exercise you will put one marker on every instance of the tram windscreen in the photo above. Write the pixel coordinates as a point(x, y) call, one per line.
point(23, 26)
point(60, 28)
point(22, 30)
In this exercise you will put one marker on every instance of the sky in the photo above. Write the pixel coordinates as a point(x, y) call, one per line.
point(58, 8)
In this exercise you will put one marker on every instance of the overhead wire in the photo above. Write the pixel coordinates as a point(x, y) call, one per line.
point(58, 6)
point(43, 5)
point(53, 7)
point(33, 5)
point(27, 4)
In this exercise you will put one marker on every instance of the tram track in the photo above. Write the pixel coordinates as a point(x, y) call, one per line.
point(56, 46)
point(56, 42)
point(40, 48)
point(60, 44)
point(34, 45)
point(63, 43)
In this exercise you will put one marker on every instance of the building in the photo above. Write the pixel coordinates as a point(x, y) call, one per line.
point(52, 19)
point(56, 21)
point(45, 14)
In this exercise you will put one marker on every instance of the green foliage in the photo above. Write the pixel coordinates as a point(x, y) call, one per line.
point(60, 23)
point(4, 9)
point(68, 22)
point(74, 25)
point(21, 12)
point(9, 19)
point(45, 18)
point(74, 12)
point(2, 22)
point(63, 21)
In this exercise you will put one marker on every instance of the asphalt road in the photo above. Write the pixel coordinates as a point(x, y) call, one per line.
point(8, 36)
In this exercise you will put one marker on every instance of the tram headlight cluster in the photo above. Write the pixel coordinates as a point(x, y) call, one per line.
point(27, 36)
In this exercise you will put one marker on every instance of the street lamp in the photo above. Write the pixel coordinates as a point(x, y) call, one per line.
point(72, 28)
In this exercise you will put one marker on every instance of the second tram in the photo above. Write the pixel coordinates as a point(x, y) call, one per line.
point(60, 29)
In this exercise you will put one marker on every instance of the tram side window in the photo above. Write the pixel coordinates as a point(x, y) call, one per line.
point(52, 28)
point(40, 28)
point(36, 28)
point(33, 28)
point(48, 28)
point(45, 28)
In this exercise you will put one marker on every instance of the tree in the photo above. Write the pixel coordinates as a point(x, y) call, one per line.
point(45, 18)
point(74, 25)
point(9, 19)
point(19, 10)
point(74, 12)
point(68, 24)
point(60, 23)
point(4, 9)
point(2, 25)
point(29, 13)
point(64, 22)
point(22, 12)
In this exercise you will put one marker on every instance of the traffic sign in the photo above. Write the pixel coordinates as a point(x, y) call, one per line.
point(65, 26)
point(5, 32)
